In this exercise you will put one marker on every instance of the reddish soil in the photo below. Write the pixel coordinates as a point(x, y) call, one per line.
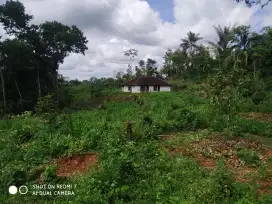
point(165, 137)
point(76, 164)
point(267, 155)
point(208, 150)
point(207, 162)
point(265, 187)
point(265, 117)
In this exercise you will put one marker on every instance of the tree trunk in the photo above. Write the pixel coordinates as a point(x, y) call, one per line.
point(38, 82)
point(54, 77)
point(3, 90)
point(21, 98)
point(57, 87)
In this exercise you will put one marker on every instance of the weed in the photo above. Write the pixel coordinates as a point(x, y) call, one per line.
point(249, 156)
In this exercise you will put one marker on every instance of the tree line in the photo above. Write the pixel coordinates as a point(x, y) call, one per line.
point(30, 59)
point(195, 60)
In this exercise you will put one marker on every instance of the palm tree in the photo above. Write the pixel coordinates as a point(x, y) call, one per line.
point(243, 37)
point(190, 41)
point(225, 40)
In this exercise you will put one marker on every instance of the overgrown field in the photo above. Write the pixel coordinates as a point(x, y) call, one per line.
point(180, 150)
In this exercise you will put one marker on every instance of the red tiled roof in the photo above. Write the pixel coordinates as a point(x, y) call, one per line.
point(147, 81)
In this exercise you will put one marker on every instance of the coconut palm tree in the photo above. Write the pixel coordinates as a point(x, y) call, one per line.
point(224, 43)
point(242, 37)
point(189, 42)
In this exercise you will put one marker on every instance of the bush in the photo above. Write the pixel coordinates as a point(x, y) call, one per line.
point(249, 156)
point(147, 120)
point(19, 178)
point(50, 174)
point(46, 109)
point(258, 97)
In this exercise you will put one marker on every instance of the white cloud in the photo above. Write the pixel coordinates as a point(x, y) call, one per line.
point(113, 26)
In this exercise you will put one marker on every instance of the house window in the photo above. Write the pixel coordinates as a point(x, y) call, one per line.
point(129, 88)
point(156, 88)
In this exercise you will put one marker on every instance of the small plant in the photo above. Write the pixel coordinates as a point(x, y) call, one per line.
point(232, 132)
point(50, 174)
point(249, 156)
point(175, 106)
point(25, 134)
point(269, 160)
point(24, 115)
point(19, 178)
point(46, 109)
point(258, 97)
point(147, 120)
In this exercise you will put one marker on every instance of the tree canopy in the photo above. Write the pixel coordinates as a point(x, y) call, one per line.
point(31, 58)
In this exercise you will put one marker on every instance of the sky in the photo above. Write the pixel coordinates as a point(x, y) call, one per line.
point(150, 26)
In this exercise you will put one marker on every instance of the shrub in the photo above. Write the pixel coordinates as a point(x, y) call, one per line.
point(50, 174)
point(175, 106)
point(19, 178)
point(258, 97)
point(249, 156)
point(46, 109)
point(147, 120)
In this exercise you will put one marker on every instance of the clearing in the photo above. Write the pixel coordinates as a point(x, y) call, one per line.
point(248, 157)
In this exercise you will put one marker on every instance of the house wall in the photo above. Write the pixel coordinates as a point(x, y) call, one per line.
point(162, 89)
point(151, 88)
point(125, 89)
point(136, 89)
point(165, 88)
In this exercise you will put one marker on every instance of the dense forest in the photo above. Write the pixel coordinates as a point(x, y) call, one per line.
point(207, 141)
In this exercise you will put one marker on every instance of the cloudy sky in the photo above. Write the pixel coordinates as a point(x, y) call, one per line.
point(150, 26)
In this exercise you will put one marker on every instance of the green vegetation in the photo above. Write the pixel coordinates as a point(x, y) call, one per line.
point(208, 141)
point(136, 171)
point(249, 156)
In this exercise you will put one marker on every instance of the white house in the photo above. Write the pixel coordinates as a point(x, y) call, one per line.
point(146, 84)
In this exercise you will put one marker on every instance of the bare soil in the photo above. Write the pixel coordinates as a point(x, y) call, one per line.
point(264, 117)
point(207, 151)
point(77, 164)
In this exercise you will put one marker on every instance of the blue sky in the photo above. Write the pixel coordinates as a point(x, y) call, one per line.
point(164, 7)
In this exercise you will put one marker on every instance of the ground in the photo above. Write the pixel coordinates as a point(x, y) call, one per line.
point(89, 148)
point(216, 146)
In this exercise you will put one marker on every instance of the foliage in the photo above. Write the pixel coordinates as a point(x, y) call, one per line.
point(133, 167)
point(31, 58)
point(250, 157)
point(128, 171)
point(46, 108)
point(258, 97)
point(50, 174)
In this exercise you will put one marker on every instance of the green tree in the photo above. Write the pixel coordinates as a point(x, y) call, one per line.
point(189, 42)
point(224, 44)
point(242, 37)
point(47, 45)
point(262, 51)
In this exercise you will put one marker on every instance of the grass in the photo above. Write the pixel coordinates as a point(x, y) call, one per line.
point(129, 171)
